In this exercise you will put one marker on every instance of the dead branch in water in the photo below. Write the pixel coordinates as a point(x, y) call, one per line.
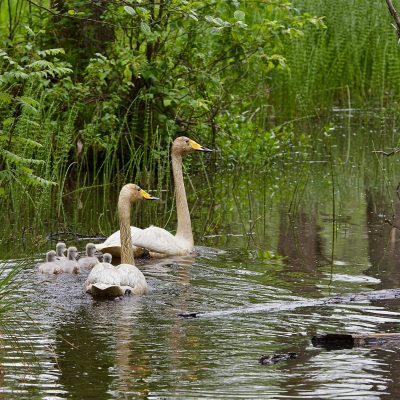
point(387, 294)
point(347, 341)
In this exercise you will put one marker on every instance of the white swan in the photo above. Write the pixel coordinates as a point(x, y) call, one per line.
point(50, 266)
point(90, 260)
point(131, 279)
point(104, 280)
point(70, 265)
point(158, 240)
point(60, 250)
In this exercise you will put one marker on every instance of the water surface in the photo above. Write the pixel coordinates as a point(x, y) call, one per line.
point(321, 227)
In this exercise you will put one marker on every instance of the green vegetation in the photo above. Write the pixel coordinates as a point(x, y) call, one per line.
point(353, 63)
point(92, 93)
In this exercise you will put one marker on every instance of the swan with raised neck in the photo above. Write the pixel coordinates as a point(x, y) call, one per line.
point(130, 278)
point(157, 240)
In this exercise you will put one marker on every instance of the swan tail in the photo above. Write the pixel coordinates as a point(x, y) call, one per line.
point(102, 290)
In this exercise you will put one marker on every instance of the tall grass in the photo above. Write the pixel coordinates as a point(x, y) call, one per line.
point(87, 179)
point(355, 62)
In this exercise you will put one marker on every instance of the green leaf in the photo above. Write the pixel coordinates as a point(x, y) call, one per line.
point(145, 28)
point(51, 52)
point(71, 12)
point(239, 15)
point(130, 10)
point(167, 102)
point(28, 102)
point(127, 73)
point(8, 122)
point(29, 30)
point(5, 98)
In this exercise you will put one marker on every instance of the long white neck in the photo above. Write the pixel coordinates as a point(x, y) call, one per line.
point(124, 214)
point(184, 229)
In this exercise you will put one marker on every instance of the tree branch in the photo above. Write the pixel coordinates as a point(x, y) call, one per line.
point(395, 16)
point(387, 153)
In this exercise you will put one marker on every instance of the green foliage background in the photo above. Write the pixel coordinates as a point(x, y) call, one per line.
point(93, 93)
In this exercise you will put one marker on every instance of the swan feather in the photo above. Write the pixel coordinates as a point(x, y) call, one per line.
point(88, 261)
point(132, 277)
point(159, 240)
point(112, 244)
point(50, 268)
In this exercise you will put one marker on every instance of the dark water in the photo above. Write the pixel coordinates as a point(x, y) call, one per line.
point(317, 228)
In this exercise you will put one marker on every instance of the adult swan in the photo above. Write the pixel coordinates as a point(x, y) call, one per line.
point(158, 240)
point(106, 281)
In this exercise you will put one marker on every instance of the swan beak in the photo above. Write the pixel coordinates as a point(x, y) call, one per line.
point(147, 196)
point(195, 146)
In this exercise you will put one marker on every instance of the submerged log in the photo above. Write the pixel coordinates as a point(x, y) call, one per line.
point(275, 358)
point(346, 341)
point(278, 306)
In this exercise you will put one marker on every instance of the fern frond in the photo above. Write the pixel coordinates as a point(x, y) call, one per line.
point(50, 52)
point(20, 139)
point(5, 98)
point(16, 159)
point(37, 180)
point(6, 175)
point(40, 65)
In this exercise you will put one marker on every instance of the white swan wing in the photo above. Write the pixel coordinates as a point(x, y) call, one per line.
point(159, 240)
point(103, 273)
point(112, 244)
point(132, 277)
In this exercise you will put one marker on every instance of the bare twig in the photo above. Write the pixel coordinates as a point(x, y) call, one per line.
point(392, 224)
point(387, 153)
point(395, 16)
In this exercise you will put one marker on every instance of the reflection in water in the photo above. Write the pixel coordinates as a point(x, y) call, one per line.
point(300, 240)
point(383, 239)
point(138, 347)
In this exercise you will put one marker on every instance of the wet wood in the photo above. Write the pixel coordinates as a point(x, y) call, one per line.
point(388, 294)
point(275, 358)
point(347, 341)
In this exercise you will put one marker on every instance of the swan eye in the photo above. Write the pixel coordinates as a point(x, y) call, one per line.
point(187, 141)
point(138, 189)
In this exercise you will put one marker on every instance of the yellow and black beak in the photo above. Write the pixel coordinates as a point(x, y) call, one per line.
point(147, 196)
point(195, 146)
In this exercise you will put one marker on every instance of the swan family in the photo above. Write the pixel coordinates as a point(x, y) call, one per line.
point(109, 281)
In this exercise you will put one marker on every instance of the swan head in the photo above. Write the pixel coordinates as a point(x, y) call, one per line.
point(107, 257)
point(72, 252)
point(60, 248)
point(51, 256)
point(90, 249)
point(135, 193)
point(183, 145)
